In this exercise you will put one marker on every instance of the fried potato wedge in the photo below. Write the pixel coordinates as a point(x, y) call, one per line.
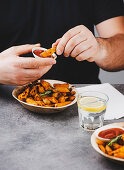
point(72, 93)
point(56, 94)
point(52, 105)
point(46, 101)
point(62, 89)
point(62, 99)
point(47, 86)
point(22, 96)
point(48, 52)
point(119, 155)
point(62, 104)
point(40, 103)
point(33, 91)
point(37, 97)
point(121, 149)
point(53, 99)
point(102, 148)
point(31, 101)
point(116, 146)
point(108, 150)
point(71, 98)
point(99, 142)
point(66, 85)
point(40, 89)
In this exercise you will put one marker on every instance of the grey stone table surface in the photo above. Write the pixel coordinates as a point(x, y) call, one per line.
point(30, 141)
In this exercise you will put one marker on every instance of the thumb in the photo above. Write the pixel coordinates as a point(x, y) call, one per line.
point(23, 49)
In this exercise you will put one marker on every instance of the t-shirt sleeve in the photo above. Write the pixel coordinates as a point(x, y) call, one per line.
point(106, 9)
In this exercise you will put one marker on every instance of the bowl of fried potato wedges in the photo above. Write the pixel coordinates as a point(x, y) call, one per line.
point(46, 96)
point(113, 149)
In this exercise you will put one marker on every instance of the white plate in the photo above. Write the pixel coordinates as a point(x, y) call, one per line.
point(40, 109)
point(95, 145)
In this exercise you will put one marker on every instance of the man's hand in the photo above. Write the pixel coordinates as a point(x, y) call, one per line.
point(107, 51)
point(80, 43)
point(15, 70)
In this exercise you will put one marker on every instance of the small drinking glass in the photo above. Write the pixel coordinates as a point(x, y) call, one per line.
point(91, 109)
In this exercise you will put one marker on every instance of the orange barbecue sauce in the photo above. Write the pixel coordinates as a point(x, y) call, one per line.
point(110, 133)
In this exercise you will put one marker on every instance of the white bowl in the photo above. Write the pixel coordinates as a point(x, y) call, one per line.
point(104, 128)
point(40, 109)
point(44, 49)
point(95, 145)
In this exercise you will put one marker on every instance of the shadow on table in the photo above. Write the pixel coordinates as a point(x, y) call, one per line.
point(6, 92)
point(67, 114)
point(111, 164)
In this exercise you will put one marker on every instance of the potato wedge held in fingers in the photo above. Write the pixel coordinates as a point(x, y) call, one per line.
point(48, 52)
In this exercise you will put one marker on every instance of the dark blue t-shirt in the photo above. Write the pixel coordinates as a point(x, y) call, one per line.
point(44, 21)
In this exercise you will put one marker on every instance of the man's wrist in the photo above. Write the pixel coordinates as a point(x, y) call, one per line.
point(102, 51)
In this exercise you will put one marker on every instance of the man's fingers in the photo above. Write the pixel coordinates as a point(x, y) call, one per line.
point(73, 42)
point(24, 76)
point(83, 46)
point(34, 62)
point(67, 36)
point(23, 49)
point(33, 74)
point(86, 55)
point(56, 43)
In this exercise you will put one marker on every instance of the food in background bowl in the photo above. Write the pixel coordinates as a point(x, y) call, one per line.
point(41, 109)
point(42, 93)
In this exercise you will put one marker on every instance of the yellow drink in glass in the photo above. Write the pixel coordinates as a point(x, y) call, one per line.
point(91, 108)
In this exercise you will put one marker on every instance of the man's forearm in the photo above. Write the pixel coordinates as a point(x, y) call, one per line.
point(111, 54)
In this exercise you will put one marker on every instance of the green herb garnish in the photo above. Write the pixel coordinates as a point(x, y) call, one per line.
point(114, 140)
point(45, 93)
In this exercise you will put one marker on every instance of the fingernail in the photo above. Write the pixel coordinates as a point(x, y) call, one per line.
point(59, 52)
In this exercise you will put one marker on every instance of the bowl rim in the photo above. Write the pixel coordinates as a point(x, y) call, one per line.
point(59, 81)
point(44, 49)
point(95, 145)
